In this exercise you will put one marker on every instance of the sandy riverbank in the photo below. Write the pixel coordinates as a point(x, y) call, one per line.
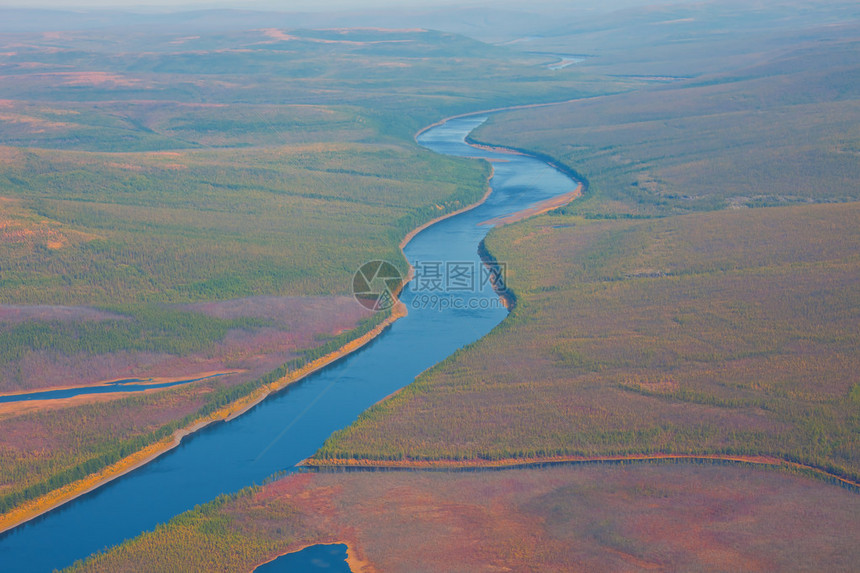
point(537, 209)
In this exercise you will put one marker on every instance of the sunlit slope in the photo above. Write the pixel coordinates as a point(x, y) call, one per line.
point(778, 133)
point(85, 228)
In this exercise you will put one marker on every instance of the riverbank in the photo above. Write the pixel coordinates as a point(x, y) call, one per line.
point(411, 234)
point(538, 209)
point(556, 518)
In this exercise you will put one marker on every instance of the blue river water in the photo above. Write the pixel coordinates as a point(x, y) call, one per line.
point(445, 314)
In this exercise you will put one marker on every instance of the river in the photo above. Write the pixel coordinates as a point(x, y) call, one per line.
point(445, 313)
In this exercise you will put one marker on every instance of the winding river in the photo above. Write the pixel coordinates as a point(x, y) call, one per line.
point(449, 307)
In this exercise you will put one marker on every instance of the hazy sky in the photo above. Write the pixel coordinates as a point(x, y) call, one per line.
point(315, 5)
point(398, 8)
point(285, 6)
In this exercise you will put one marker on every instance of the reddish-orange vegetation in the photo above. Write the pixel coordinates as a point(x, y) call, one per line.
point(36, 124)
point(97, 79)
point(584, 518)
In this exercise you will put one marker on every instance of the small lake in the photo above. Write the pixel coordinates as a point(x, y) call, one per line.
point(457, 307)
point(331, 558)
point(127, 385)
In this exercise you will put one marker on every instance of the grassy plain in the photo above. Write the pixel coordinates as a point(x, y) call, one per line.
point(60, 346)
point(667, 41)
point(584, 518)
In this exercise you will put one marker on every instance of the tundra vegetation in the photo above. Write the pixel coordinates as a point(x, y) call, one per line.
point(699, 299)
point(723, 332)
point(173, 205)
point(599, 517)
point(668, 311)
